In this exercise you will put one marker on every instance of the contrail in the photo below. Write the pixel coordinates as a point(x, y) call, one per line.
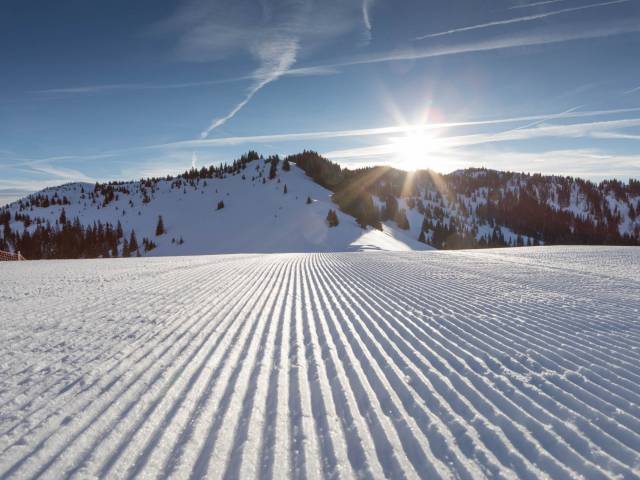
point(276, 57)
point(527, 18)
point(536, 4)
point(377, 131)
point(366, 4)
point(366, 19)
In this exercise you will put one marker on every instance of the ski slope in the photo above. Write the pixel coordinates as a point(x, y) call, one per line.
point(519, 363)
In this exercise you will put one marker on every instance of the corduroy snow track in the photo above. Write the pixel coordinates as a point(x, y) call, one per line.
point(520, 363)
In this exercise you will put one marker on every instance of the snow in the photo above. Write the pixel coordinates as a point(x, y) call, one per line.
point(518, 363)
point(257, 217)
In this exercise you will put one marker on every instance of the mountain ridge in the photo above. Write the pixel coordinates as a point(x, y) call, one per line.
point(266, 205)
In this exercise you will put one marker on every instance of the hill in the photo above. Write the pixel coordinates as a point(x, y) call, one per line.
point(306, 203)
point(479, 208)
point(237, 208)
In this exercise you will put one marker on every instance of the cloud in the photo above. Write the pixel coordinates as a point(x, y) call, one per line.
point(615, 136)
point(62, 174)
point(366, 19)
point(274, 33)
point(513, 41)
point(379, 131)
point(575, 130)
point(19, 188)
point(167, 163)
point(594, 164)
point(451, 145)
point(189, 50)
point(93, 89)
point(366, 5)
point(527, 18)
point(450, 150)
point(633, 90)
point(43, 175)
point(18, 162)
point(276, 56)
point(536, 4)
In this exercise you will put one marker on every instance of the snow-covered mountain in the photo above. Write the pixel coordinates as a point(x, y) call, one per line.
point(256, 215)
point(309, 204)
point(478, 208)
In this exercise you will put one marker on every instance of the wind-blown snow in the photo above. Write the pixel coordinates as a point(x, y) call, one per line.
point(512, 363)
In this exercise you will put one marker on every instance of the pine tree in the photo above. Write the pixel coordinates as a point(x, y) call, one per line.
point(285, 188)
point(6, 230)
point(160, 227)
point(125, 248)
point(148, 244)
point(273, 169)
point(309, 201)
point(133, 242)
point(285, 165)
point(220, 205)
point(63, 217)
point(422, 238)
point(332, 219)
point(401, 219)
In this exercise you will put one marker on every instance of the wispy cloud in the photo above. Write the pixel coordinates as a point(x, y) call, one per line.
point(536, 4)
point(616, 136)
point(575, 130)
point(450, 144)
point(273, 32)
point(20, 162)
point(451, 150)
point(265, 75)
point(527, 18)
point(633, 90)
point(592, 163)
point(92, 89)
point(595, 164)
point(276, 56)
point(62, 174)
point(19, 188)
point(386, 130)
point(40, 175)
point(513, 41)
point(366, 19)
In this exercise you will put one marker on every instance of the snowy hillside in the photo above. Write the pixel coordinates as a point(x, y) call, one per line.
point(268, 205)
point(484, 208)
point(519, 363)
point(258, 216)
point(479, 208)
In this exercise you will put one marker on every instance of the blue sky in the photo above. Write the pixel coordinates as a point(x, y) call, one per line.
point(119, 90)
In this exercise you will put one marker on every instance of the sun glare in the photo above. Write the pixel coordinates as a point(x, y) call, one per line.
point(416, 150)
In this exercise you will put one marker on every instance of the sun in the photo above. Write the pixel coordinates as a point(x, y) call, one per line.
point(417, 149)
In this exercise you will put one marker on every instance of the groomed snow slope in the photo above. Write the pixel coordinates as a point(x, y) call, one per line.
point(513, 363)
